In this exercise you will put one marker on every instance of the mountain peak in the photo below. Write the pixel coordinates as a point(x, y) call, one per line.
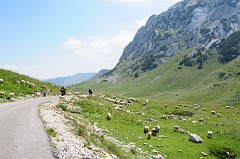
point(187, 24)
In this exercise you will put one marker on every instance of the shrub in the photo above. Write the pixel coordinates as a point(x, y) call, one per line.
point(51, 132)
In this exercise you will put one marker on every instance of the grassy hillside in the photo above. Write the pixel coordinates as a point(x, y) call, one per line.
point(127, 125)
point(12, 83)
point(213, 83)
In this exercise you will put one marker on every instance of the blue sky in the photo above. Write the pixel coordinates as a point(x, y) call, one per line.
point(52, 38)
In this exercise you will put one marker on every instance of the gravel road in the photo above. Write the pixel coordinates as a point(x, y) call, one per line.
point(22, 134)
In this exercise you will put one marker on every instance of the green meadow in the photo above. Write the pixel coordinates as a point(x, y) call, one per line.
point(211, 87)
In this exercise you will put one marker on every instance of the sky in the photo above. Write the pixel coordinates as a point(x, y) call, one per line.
point(54, 38)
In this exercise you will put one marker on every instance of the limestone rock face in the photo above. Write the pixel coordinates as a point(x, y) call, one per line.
point(189, 23)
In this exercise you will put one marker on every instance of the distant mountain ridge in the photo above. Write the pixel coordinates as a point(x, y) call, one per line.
point(70, 80)
point(76, 78)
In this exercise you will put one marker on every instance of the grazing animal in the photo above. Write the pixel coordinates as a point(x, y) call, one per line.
point(154, 133)
point(38, 94)
point(2, 94)
point(76, 93)
point(176, 128)
point(146, 129)
point(213, 112)
point(149, 134)
point(23, 82)
point(209, 134)
point(219, 115)
point(11, 94)
point(1, 80)
point(201, 120)
point(157, 128)
point(109, 116)
point(32, 85)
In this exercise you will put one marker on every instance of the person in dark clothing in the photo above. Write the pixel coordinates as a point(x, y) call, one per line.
point(90, 91)
point(63, 91)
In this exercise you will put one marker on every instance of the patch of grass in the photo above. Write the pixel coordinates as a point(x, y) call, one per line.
point(81, 131)
point(63, 107)
point(222, 152)
point(51, 132)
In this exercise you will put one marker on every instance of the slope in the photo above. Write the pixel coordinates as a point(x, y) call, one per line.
point(213, 83)
point(13, 83)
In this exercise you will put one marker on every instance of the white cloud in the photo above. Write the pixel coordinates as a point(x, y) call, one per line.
point(95, 53)
point(72, 43)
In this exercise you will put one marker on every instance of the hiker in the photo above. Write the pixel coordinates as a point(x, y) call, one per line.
point(63, 91)
point(90, 92)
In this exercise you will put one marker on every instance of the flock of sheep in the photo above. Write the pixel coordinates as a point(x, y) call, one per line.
point(2, 94)
point(149, 130)
point(11, 95)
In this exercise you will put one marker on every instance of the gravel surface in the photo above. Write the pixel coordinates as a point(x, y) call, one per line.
point(66, 144)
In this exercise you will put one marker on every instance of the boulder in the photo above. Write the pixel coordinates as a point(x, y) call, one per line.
point(195, 138)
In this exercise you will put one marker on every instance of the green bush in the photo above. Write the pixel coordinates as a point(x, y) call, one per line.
point(51, 132)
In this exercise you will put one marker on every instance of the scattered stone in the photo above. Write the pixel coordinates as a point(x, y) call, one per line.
point(203, 153)
point(195, 138)
point(182, 131)
point(162, 136)
point(158, 157)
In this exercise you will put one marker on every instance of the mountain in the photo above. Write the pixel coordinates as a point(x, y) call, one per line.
point(22, 85)
point(190, 23)
point(70, 80)
point(100, 73)
point(189, 51)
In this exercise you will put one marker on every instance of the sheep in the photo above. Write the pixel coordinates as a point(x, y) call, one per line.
point(38, 94)
point(163, 117)
point(2, 94)
point(213, 112)
point(149, 134)
point(109, 116)
point(209, 134)
point(145, 103)
point(154, 132)
point(1, 81)
point(27, 82)
point(83, 96)
point(11, 95)
point(61, 98)
point(76, 93)
point(146, 129)
point(157, 128)
point(23, 82)
point(201, 120)
point(219, 115)
point(32, 85)
point(176, 128)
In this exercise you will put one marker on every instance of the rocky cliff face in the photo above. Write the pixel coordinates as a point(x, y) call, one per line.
point(190, 23)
